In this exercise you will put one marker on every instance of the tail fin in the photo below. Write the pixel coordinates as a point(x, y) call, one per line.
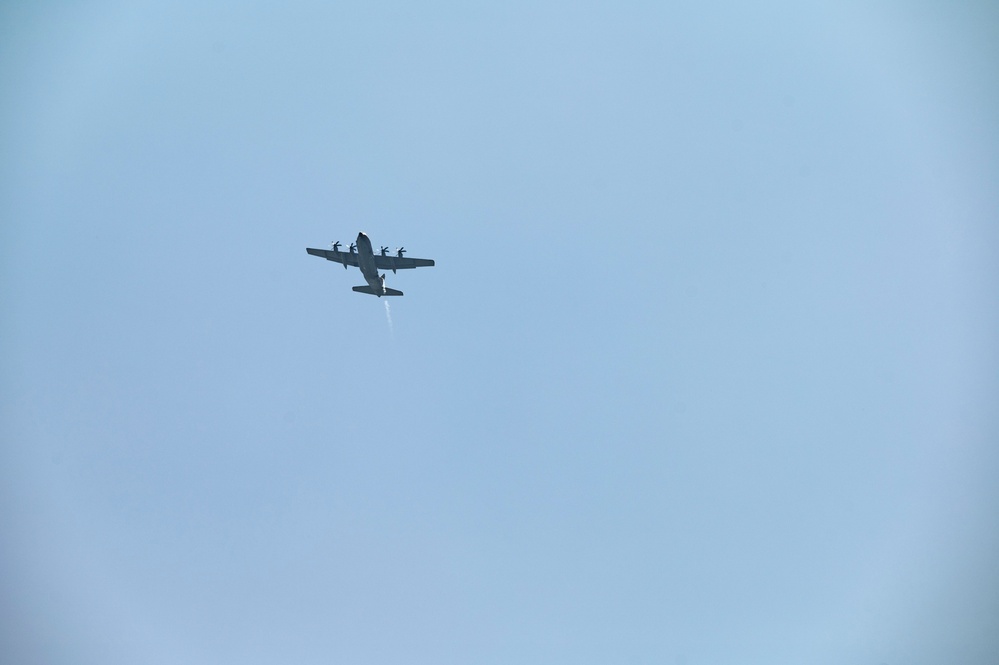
point(367, 289)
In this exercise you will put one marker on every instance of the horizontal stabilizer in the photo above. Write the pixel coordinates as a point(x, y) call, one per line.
point(367, 289)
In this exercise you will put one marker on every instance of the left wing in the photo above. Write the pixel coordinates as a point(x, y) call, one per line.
point(389, 262)
point(346, 258)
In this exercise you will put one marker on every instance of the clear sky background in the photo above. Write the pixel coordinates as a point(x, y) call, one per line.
point(706, 371)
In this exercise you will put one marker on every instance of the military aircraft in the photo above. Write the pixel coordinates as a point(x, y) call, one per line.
point(362, 256)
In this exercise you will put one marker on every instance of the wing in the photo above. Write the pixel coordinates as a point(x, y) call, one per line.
point(389, 262)
point(346, 258)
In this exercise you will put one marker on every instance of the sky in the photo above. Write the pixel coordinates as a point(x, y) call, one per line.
point(706, 371)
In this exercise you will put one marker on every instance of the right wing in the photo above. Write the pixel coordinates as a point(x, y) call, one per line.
point(393, 262)
point(346, 258)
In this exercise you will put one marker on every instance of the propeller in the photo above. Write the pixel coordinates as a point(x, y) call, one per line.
point(335, 246)
point(384, 251)
point(399, 252)
point(353, 248)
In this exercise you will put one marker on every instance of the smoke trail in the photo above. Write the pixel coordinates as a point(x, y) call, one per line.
point(388, 316)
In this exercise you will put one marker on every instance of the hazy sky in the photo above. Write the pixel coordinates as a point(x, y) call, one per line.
point(706, 371)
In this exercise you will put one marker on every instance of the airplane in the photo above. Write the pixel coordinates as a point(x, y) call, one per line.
point(363, 256)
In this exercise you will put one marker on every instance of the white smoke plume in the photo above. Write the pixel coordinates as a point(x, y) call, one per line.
point(388, 316)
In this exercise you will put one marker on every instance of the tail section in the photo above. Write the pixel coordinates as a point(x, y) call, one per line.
point(367, 289)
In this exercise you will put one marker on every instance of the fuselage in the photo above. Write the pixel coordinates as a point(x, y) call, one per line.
point(366, 262)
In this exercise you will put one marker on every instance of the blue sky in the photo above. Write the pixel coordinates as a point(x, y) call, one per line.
point(705, 373)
